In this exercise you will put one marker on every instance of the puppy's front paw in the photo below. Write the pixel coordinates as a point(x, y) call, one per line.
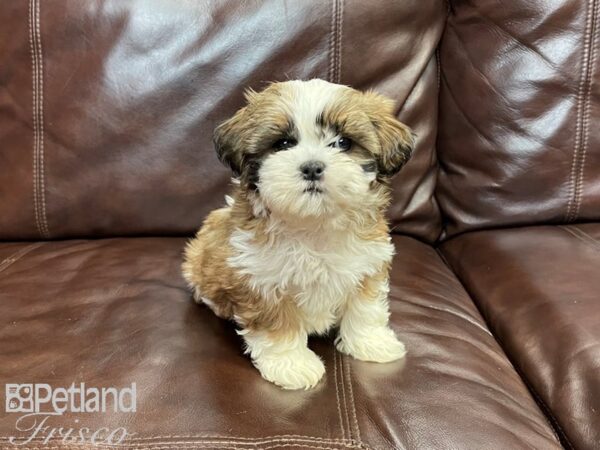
point(295, 369)
point(376, 344)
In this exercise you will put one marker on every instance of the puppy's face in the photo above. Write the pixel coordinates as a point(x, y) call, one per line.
point(314, 149)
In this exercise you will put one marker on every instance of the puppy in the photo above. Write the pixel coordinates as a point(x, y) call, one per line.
point(303, 245)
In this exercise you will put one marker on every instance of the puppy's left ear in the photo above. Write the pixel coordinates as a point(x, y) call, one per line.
point(396, 140)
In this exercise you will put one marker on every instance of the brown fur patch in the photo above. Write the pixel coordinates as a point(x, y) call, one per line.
point(254, 128)
point(368, 119)
point(206, 268)
point(370, 286)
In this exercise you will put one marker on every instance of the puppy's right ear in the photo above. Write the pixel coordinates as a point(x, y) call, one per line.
point(228, 142)
point(230, 137)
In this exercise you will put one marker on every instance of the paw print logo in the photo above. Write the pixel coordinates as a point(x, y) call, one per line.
point(19, 397)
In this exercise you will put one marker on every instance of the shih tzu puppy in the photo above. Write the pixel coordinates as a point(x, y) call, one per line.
point(303, 245)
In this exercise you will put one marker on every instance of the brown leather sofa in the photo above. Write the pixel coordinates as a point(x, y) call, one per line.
point(106, 167)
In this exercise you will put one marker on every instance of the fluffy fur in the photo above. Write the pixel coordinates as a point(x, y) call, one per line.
point(298, 251)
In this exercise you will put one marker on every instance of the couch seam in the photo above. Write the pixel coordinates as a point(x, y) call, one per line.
point(546, 409)
point(332, 25)
point(352, 403)
point(548, 414)
point(343, 389)
point(253, 443)
point(42, 167)
point(34, 76)
point(223, 444)
point(339, 41)
point(232, 439)
point(190, 445)
point(335, 41)
point(337, 393)
point(586, 117)
point(578, 150)
point(35, 47)
point(11, 259)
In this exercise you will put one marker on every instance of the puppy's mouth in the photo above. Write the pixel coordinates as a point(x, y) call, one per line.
point(313, 189)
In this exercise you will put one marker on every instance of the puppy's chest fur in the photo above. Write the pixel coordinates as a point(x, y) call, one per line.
point(318, 272)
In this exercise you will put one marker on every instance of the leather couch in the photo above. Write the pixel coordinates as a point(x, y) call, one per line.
point(106, 168)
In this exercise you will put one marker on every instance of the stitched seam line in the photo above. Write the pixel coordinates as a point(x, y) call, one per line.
point(223, 445)
point(196, 444)
point(340, 28)
point(583, 237)
point(352, 403)
point(338, 357)
point(579, 122)
point(129, 444)
point(35, 45)
point(335, 41)
point(330, 69)
point(34, 76)
point(586, 117)
point(41, 165)
point(9, 261)
point(337, 392)
point(241, 439)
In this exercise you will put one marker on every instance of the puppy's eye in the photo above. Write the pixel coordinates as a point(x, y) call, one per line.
point(343, 143)
point(284, 144)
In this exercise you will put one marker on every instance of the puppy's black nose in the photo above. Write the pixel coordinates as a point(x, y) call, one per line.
point(312, 170)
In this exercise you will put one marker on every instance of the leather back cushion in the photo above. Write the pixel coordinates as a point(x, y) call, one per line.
point(519, 141)
point(107, 107)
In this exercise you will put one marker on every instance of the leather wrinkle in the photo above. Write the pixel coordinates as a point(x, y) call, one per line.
point(518, 41)
point(581, 235)
point(16, 256)
point(464, 114)
point(506, 102)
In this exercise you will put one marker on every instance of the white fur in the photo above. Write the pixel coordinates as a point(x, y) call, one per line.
point(289, 364)
point(322, 272)
point(364, 331)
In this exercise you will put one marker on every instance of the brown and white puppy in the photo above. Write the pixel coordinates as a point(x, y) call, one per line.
point(303, 245)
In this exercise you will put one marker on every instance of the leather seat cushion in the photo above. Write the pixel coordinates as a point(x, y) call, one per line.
point(539, 290)
point(115, 311)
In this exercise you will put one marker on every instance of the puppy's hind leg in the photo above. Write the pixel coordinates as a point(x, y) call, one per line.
point(192, 268)
point(222, 309)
